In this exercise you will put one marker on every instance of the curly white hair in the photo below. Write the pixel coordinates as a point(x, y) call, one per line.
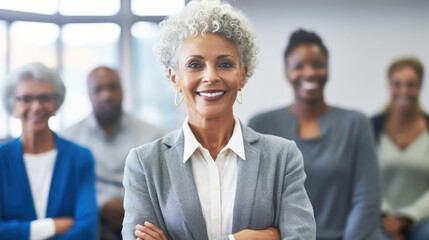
point(202, 17)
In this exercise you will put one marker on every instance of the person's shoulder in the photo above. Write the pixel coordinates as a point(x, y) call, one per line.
point(7, 143)
point(74, 154)
point(6, 146)
point(134, 122)
point(158, 146)
point(268, 114)
point(276, 149)
point(75, 129)
point(264, 120)
point(150, 146)
point(268, 141)
point(71, 147)
point(350, 115)
point(378, 118)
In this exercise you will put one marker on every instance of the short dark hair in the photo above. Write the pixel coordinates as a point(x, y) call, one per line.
point(411, 62)
point(302, 36)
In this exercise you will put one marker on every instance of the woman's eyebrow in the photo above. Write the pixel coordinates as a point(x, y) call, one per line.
point(195, 56)
point(224, 56)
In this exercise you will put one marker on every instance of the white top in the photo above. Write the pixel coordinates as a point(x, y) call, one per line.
point(405, 177)
point(40, 168)
point(215, 180)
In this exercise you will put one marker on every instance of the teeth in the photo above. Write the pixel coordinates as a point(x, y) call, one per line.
point(309, 85)
point(213, 94)
point(403, 100)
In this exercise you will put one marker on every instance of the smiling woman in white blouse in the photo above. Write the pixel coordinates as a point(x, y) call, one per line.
point(403, 149)
point(214, 177)
point(47, 187)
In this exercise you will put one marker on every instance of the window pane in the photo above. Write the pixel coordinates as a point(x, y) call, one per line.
point(39, 6)
point(32, 42)
point(156, 8)
point(153, 96)
point(86, 46)
point(3, 42)
point(91, 7)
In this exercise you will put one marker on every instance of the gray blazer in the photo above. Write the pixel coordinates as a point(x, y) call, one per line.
point(160, 188)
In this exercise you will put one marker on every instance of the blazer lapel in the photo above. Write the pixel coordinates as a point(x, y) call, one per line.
point(246, 181)
point(22, 176)
point(56, 187)
point(183, 184)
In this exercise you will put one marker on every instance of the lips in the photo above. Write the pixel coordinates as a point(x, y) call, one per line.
point(211, 95)
point(306, 85)
point(403, 100)
point(37, 118)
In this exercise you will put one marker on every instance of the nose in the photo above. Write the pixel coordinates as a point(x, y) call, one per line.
point(403, 89)
point(309, 72)
point(36, 104)
point(106, 93)
point(210, 75)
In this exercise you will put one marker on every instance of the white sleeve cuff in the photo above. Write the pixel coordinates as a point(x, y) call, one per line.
point(231, 237)
point(42, 229)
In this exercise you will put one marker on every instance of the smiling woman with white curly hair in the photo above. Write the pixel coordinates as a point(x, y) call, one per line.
point(214, 178)
point(201, 18)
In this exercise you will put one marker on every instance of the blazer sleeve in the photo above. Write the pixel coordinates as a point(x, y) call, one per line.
point(86, 210)
point(10, 229)
point(296, 213)
point(14, 230)
point(137, 201)
point(364, 215)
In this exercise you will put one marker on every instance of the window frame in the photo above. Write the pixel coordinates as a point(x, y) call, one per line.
point(125, 18)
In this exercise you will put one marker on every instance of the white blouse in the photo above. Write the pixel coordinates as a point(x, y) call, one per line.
point(405, 177)
point(40, 168)
point(215, 179)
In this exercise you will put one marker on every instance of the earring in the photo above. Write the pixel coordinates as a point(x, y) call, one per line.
point(175, 98)
point(241, 96)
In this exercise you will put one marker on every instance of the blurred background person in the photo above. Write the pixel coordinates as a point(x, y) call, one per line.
point(110, 133)
point(47, 184)
point(337, 145)
point(403, 149)
point(214, 177)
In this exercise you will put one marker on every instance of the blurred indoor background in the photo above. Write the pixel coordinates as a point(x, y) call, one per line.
point(363, 37)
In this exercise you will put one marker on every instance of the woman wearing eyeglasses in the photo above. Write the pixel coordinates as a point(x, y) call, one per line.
point(47, 184)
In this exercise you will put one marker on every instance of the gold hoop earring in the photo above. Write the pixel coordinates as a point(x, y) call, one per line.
point(241, 96)
point(175, 99)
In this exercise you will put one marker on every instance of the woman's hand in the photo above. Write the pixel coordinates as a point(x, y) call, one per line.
point(149, 232)
point(270, 233)
point(63, 224)
point(394, 226)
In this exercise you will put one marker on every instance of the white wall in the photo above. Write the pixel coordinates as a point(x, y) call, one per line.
point(362, 38)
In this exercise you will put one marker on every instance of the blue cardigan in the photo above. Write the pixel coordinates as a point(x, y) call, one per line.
point(72, 191)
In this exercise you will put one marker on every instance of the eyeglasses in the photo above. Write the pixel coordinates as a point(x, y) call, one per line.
point(408, 85)
point(44, 98)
